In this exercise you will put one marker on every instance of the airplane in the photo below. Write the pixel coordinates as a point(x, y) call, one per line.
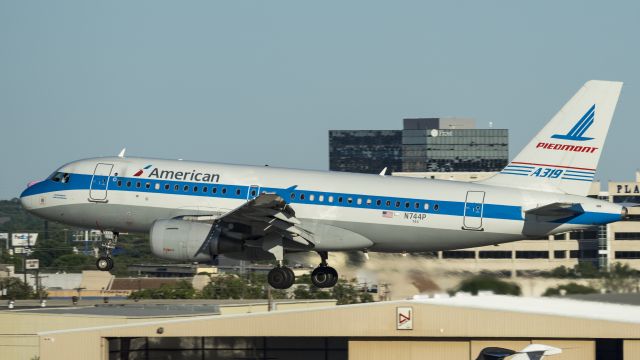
point(530, 352)
point(196, 211)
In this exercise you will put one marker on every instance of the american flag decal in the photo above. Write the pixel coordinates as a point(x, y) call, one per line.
point(387, 214)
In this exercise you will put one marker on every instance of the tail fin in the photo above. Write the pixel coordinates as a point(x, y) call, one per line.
point(563, 156)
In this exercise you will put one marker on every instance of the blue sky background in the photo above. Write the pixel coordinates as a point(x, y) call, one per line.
point(260, 82)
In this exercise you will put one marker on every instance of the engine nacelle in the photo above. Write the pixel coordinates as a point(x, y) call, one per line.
point(181, 240)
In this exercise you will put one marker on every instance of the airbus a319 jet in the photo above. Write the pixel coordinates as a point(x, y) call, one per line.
point(196, 211)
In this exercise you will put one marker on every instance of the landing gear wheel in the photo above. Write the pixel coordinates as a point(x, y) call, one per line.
point(104, 263)
point(324, 277)
point(281, 278)
point(334, 276)
point(291, 275)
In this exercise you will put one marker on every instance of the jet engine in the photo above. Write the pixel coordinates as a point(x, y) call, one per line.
point(184, 240)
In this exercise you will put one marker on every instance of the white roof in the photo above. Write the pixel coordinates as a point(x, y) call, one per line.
point(544, 306)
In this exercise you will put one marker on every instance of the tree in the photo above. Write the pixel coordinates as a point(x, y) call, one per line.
point(620, 279)
point(180, 290)
point(570, 289)
point(16, 289)
point(235, 287)
point(74, 262)
point(306, 291)
point(489, 283)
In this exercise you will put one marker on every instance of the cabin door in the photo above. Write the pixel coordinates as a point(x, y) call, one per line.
point(100, 182)
point(473, 208)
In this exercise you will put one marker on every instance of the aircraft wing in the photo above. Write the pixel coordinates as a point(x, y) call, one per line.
point(560, 209)
point(270, 212)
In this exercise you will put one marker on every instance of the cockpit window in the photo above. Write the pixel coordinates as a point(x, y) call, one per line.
point(60, 177)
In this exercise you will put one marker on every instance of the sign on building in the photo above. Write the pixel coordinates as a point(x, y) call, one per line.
point(404, 318)
point(32, 264)
point(4, 236)
point(23, 239)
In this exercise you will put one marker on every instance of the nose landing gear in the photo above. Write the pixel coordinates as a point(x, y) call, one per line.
point(105, 262)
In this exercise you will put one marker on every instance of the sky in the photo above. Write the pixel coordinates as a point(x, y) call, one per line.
point(262, 82)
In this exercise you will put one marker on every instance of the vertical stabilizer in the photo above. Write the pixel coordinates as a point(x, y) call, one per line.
point(564, 155)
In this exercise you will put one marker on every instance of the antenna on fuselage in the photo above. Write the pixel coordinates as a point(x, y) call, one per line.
point(121, 155)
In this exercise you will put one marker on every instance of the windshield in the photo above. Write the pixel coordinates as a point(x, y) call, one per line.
point(60, 177)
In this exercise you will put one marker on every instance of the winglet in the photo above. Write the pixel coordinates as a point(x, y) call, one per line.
point(383, 172)
point(121, 155)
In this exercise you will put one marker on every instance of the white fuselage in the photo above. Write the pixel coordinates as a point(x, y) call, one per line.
point(396, 214)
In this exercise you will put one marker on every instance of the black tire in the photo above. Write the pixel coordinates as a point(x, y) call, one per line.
point(278, 278)
point(334, 276)
point(291, 277)
point(110, 260)
point(103, 263)
point(322, 277)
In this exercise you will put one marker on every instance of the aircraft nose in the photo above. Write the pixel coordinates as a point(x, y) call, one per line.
point(25, 198)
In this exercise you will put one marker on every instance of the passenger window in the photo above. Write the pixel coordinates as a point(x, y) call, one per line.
point(128, 183)
point(330, 198)
point(417, 205)
point(312, 197)
point(186, 188)
point(293, 196)
point(340, 199)
point(349, 200)
point(119, 183)
point(157, 186)
point(238, 192)
point(368, 201)
point(214, 190)
point(224, 190)
point(205, 189)
point(378, 202)
point(359, 201)
point(166, 186)
point(301, 196)
point(388, 203)
point(426, 206)
point(176, 187)
point(321, 198)
point(195, 189)
point(397, 204)
point(147, 185)
point(436, 207)
point(253, 193)
point(406, 204)
point(138, 184)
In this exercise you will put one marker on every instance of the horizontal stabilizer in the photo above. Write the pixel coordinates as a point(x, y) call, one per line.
point(557, 209)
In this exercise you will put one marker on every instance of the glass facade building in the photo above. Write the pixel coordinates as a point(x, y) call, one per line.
point(365, 151)
point(423, 145)
point(439, 150)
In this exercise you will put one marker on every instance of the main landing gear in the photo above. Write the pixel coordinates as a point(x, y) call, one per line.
point(105, 262)
point(281, 277)
point(324, 276)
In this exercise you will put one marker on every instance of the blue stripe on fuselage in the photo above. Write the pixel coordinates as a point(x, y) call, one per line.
point(240, 192)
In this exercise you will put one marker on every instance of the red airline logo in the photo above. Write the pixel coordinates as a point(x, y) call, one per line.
point(564, 147)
